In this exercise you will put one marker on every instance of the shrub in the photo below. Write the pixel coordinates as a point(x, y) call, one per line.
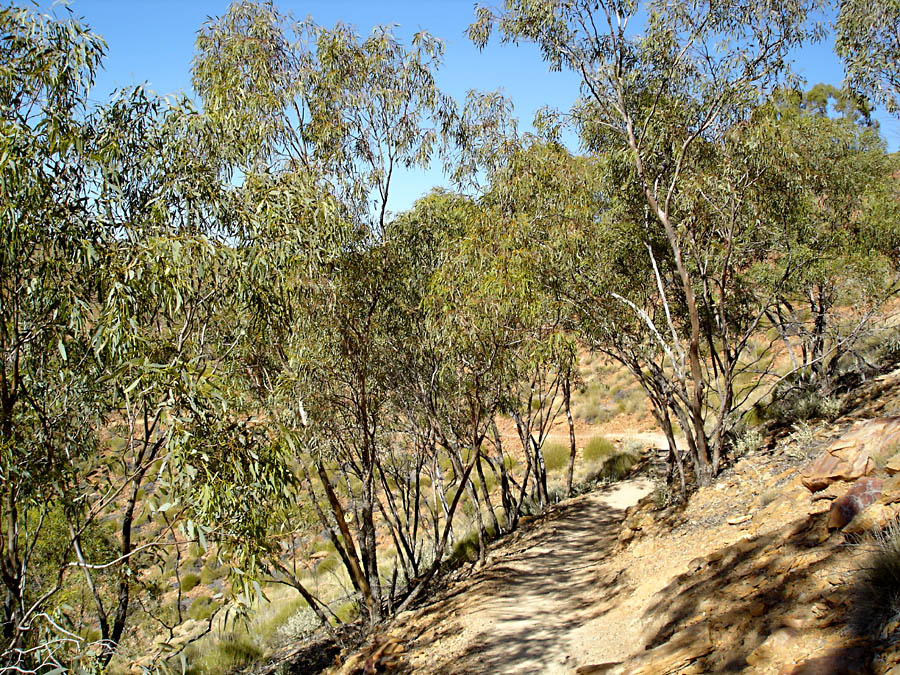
point(598, 449)
point(490, 478)
point(556, 456)
point(329, 564)
point(347, 612)
point(801, 438)
point(749, 440)
point(661, 494)
point(556, 493)
point(594, 413)
point(466, 548)
point(189, 581)
point(270, 618)
point(630, 402)
point(801, 403)
point(299, 625)
point(529, 507)
point(617, 467)
point(830, 407)
point(881, 348)
point(877, 587)
point(212, 571)
point(226, 655)
point(324, 545)
point(634, 446)
point(202, 608)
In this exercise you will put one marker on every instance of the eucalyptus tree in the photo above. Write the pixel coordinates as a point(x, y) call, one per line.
point(461, 305)
point(868, 41)
point(49, 251)
point(663, 86)
point(115, 338)
point(848, 238)
point(542, 193)
point(299, 103)
point(163, 334)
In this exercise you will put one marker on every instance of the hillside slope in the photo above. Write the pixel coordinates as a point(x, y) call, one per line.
point(756, 574)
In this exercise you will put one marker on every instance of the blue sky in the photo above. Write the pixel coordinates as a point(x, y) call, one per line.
point(152, 41)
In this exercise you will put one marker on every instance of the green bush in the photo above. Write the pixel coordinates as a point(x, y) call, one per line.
point(630, 402)
point(746, 440)
point(299, 625)
point(634, 446)
point(490, 478)
point(212, 571)
point(466, 548)
point(189, 581)
point(202, 608)
point(598, 449)
point(268, 625)
point(617, 467)
point(324, 545)
point(227, 654)
point(556, 492)
point(347, 612)
point(661, 494)
point(556, 456)
point(795, 403)
point(329, 564)
point(594, 413)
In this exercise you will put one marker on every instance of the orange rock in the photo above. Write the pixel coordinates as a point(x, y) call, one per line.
point(848, 660)
point(775, 648)
point(850, 456)
point(685, 647)
point(890, 491)
point(845, 463)
point(833, 491)
point(861, 494)
point(892, 466)
point(873, 519)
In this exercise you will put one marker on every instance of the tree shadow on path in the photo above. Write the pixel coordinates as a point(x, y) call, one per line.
point(516, 615)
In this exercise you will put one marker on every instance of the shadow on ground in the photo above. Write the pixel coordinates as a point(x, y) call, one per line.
point(521, 609)
point(750, 604)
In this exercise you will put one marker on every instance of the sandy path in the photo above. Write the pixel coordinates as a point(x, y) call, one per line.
point(540, 604)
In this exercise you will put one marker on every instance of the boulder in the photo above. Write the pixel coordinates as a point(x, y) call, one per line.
point(685, 647)
point(861, 494)
point(847, 660)
point(777, 648)
point(833, 491)
point(850, 456)
point(892, 466)
point(890, 491)
point(873, 519)
point(626, 534)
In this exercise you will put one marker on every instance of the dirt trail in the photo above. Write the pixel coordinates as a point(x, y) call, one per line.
point(542, 604)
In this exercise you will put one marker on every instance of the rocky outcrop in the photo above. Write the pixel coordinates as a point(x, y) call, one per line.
point(855, 454)
point(863, 493)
